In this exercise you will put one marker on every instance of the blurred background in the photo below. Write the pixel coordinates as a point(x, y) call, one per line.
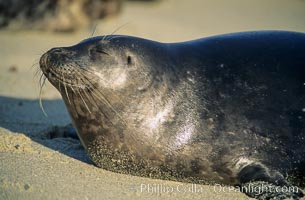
point(169, 16)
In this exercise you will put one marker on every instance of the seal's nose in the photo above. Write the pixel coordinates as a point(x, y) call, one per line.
point(54, 55)
point(60, 54)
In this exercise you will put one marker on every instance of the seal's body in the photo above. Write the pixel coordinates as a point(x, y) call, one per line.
point(225, 109)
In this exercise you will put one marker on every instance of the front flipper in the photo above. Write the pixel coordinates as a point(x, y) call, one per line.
point(259, 182)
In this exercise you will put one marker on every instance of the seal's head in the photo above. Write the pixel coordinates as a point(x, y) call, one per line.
point(110, 63)
point(108, 75)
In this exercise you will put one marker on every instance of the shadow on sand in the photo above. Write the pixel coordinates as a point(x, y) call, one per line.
point(25, 116)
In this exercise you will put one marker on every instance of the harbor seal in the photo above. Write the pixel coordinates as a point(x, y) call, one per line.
point(226, 109)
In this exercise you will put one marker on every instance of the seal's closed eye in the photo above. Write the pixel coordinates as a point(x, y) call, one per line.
point(101, 51)
point(97, 53)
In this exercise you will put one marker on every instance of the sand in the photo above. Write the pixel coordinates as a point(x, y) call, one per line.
point(34, 166)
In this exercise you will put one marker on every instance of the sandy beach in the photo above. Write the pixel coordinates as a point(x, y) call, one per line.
point(33, 165)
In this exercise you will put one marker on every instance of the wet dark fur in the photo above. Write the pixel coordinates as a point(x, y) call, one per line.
point(225, 109)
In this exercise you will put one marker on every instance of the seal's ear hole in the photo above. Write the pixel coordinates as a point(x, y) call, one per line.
point(129, 60)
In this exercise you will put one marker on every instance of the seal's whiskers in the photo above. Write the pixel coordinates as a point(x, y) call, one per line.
point(40, 93)
point(59, 86)
point(92, 84)
point(83, 101)
point(66, 90)
point(113, 32)
point(37, 71)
